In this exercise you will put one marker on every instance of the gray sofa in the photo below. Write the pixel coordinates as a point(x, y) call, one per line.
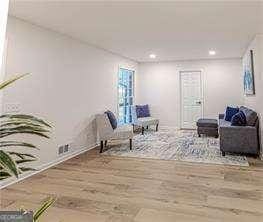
point(240, 139)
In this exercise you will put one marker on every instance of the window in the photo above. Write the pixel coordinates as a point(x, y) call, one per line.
point(125, 95)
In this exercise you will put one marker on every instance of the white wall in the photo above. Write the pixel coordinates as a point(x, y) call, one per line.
point(261, 50)
point(256, 101)
point(261, 97)
point(3, 19)
point(253, 101)
point(158, 85)
point(70, 81)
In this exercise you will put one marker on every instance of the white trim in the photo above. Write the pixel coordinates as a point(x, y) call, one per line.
point(46, 166)
point(202, 92)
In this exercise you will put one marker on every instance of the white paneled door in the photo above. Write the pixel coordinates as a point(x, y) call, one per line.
point(191, 98)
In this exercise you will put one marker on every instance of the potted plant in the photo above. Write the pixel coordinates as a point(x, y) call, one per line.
point(12, 162)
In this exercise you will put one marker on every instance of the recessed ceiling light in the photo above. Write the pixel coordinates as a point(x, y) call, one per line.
point(212, 52)
point(152, 56)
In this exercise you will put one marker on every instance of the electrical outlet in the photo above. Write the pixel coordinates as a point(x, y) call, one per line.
point(12, 108)
point(66, 148)
point(60, 150)
point(63, 149)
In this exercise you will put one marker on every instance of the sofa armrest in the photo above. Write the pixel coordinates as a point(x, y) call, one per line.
point(221, 116)
point(238, 130)
point(238, 139)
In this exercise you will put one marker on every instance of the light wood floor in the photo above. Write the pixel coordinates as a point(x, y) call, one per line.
point(93, 187)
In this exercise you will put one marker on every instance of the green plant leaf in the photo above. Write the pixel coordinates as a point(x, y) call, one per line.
point(22, 155)
point(8, 82)
point(20, 123)
point(27, 132)
point(23, 128)
point(15, 143)
point(15, 122)
point(7, 131)
point(24, 169)
point(4, 175)
point(8, 163)
point(24, 161)
point(43, 208)
point(26, 117)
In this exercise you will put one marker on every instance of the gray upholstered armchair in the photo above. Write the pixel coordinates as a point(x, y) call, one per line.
point(106, 132)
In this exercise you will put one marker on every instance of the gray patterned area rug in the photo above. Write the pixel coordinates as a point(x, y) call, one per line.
point(173, 144)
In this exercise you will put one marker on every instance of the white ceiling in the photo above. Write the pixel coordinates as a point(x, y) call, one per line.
point(171, 30)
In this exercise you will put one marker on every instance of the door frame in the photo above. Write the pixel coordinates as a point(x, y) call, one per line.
point(180, 93)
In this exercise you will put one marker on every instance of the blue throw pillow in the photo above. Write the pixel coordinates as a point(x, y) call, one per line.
point(239, 119)
point(142, 111)
point(112, 118)
point(230, 111)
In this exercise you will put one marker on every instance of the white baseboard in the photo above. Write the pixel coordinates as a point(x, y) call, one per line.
point(45, 166)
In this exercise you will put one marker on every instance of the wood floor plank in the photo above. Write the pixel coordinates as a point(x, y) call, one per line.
point(150, 215)
point(236, 203)
point(55, 214)
point(94, 187)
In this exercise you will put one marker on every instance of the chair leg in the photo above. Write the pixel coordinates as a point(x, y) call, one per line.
point(223, 153)
point(133, 127)
point(105, 144)
point(101, 146)
point(157, 125)
point(142, 130)
point(130, 144)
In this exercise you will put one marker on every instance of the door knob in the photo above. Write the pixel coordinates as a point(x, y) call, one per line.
point(198, 102)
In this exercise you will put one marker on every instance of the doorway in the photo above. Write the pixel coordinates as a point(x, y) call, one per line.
point(191, 98)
